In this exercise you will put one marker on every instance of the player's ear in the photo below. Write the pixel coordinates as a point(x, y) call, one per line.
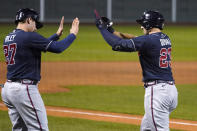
point(28, 20)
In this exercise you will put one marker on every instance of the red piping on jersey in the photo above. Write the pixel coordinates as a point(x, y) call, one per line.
point(33, 107)
point(152, 108)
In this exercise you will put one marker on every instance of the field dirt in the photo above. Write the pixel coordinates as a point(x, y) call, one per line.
point(55, 75)
point(58, 74)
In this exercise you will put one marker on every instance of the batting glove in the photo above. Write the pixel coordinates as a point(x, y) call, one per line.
point(108, 23)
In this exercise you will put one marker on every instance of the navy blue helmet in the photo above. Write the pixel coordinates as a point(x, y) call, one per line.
point(23, 14)
point(151, 19)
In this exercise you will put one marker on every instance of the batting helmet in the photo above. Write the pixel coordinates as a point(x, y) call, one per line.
point(23, 14)
point(151, 19)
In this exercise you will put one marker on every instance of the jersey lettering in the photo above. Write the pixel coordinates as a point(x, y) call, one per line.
point(164, 53)
point(9, 52)
point(165, 42)
point(9, 38)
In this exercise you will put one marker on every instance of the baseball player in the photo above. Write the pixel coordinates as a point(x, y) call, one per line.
point(154, 48)
point(22, 49)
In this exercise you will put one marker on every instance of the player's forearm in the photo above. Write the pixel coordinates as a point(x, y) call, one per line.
point(124, 35)
point(111, 39)
point(117, 44)
point(54, 37)
point(60, 46)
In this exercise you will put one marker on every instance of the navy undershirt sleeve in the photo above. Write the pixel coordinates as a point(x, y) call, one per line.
point(54, 37)
point(59, 46)
point(35, 40)
point(118, 44)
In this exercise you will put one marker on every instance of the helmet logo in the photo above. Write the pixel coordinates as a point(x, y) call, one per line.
point(147, 16)
point(20, 15)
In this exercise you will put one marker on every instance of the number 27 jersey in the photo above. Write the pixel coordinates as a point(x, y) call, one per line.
point(23, 54)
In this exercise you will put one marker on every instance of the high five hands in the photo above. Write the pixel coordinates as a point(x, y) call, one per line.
point(74, 29)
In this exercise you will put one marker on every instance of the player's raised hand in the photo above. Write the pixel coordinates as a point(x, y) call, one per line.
point(75, 26)
point(99, 21)
point(61, 27)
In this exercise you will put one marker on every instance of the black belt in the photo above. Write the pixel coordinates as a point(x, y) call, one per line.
point(24, 81)
point(151, 83)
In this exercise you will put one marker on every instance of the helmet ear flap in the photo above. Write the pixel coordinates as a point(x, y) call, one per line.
point(146, 25)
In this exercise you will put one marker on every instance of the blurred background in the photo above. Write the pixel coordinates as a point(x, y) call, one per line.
point(176, 11)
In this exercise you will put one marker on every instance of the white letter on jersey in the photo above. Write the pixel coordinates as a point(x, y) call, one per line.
point(9, 38)
point(165, 42)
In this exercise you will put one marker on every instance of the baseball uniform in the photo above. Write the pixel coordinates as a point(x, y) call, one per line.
point(155, 58)
point(20, 93)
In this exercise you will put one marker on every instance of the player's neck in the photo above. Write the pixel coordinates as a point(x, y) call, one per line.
point(154, 30)
point(22, 27)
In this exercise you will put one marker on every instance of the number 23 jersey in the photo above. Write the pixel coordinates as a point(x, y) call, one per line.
point(155, 56)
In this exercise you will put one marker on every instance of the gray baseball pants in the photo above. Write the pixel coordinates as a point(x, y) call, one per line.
point(25, 106)
point(159, 101)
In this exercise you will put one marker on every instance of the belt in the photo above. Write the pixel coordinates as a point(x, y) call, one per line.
point(151, 83)
point(24, 81)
